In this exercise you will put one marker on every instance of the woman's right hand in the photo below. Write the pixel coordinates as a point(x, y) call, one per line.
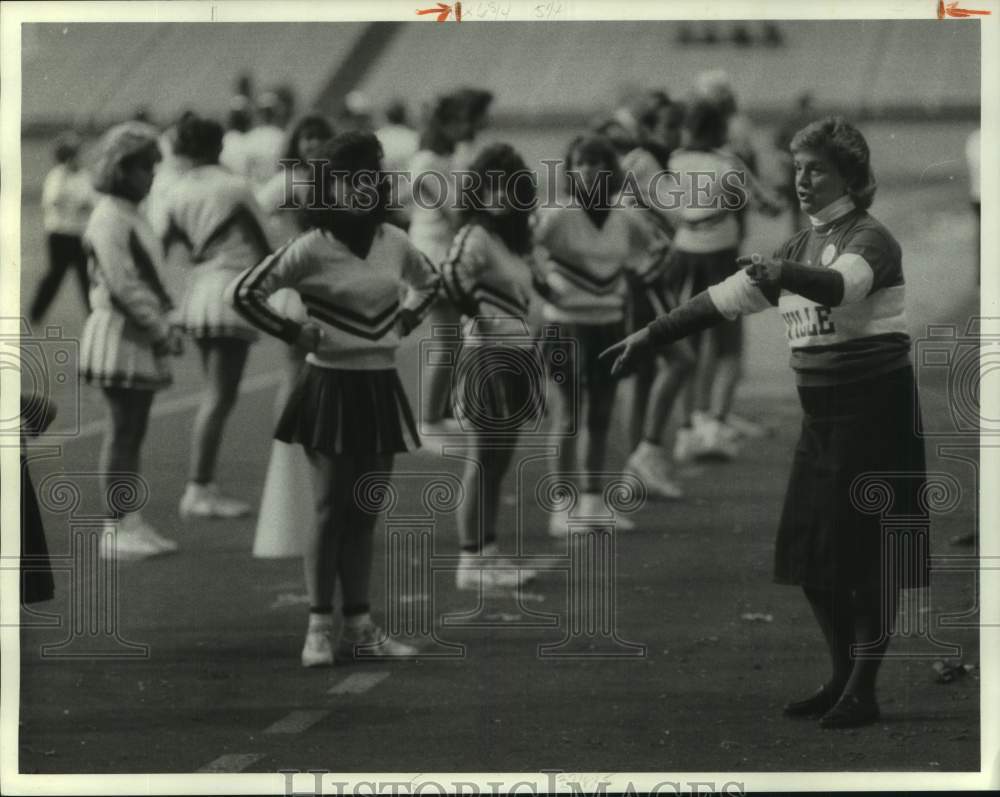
point(310, 336)
point(625, 352)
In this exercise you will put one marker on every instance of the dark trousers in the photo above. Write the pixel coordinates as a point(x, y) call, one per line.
point(65, 252)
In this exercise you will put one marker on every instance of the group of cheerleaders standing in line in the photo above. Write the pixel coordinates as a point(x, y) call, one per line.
point(362, 285)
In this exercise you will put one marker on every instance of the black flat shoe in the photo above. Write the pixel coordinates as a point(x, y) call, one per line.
point(815, 705)
point(850, 712)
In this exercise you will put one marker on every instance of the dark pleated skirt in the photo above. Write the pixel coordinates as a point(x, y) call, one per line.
point(338, 411)
point(855, 512)
point(499, 389)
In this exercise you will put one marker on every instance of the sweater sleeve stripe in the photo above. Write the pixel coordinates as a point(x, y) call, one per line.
point(250, 300)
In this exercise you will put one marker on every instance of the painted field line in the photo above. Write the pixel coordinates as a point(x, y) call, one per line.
point(178, 404)
point(357, 683)
point(231, 762)
point(297, 721)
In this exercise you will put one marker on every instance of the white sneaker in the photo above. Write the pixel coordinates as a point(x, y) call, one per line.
point(713, 442)
point(165, 544)
point(685, 445)
point(318, 649)
point(205, 500)
point(126, 540)
point(592, 506)
point(489, 570)
point(369, 642)
point(710, 428)
point(649, 463)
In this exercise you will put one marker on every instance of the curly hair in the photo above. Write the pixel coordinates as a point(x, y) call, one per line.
point(199, 139)
point(312, 123)
point(844, 145)
point(501, 165)
point(594, 149)
point(706, 124)
point(358, 156)
point(435, 135)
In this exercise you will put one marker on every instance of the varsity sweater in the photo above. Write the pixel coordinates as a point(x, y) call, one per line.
point(215, 216)
point(702, 190)
point(124, 257)
point(363, 305)
point(866, 334)
point(488, 283)
point(585, 266)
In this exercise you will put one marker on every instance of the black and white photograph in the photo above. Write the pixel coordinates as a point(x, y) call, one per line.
point(499, 397)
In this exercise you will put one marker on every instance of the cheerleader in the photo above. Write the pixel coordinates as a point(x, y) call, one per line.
point(589, 246)
point(455, 118)
point(286, 500)
point(305, 141)
point(487, 275)
point(213, 215)
point(704, 252)
point(839, 288)
point(365, 285)
point(658, 381)
point(67, 199)
point(128, 335)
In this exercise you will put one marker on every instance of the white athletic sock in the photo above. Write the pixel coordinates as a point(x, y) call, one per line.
point(357, 621)
point(646, 449)
point(320, 621)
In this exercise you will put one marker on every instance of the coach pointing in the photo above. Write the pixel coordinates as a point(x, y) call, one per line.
point(839, 288)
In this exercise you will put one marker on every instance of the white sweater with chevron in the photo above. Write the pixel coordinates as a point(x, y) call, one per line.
point(363, 305)
point(585, 265)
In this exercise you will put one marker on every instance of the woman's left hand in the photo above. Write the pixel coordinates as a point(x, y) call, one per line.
point(763, 271)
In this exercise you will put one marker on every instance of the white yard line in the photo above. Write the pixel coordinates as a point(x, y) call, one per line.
point(297, 721)
point(231, 762)
point(358, 683)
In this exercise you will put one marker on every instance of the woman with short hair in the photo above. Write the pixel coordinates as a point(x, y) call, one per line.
point(840, 290)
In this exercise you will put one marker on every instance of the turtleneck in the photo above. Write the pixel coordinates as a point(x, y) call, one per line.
point(834, 211)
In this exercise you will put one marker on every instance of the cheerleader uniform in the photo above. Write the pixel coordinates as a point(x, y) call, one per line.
point(348, 399)
point(862, 416)
point(499, 387)
point(586, 287)
point(130, 305)
point(430, 229)
point(214, 215)
point(707, 239)
point(650, 295)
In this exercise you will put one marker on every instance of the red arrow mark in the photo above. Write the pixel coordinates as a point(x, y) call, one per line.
point(952, 10)
point(442, 10)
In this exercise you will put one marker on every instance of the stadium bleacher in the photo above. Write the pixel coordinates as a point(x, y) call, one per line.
point(73, 73)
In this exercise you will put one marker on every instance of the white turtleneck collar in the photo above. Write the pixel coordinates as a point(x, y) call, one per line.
point(835, 210)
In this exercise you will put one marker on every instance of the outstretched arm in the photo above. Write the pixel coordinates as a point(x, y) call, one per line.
point(694, 315)
point(823, 285)
point(733, 297)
